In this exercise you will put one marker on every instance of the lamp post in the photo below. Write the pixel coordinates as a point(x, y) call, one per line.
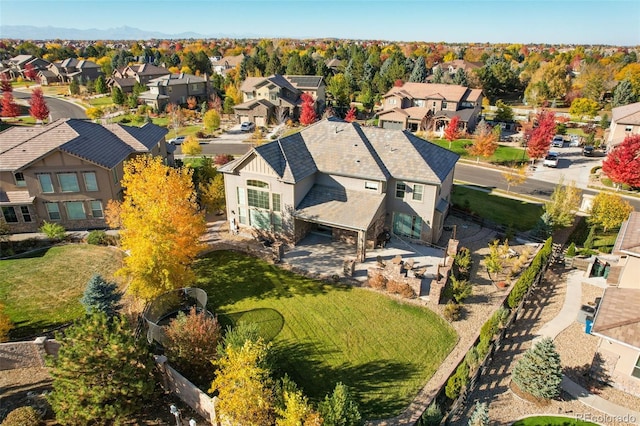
point(174, 410)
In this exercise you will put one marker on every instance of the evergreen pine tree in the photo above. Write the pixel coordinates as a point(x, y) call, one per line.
point(539, 371)
point(480, 415)
point(101, 296)
point(460, 77)
point(74, 87)
point(340, 409)
point(432, 416)
point(438, 76)
point(623, 94)
point(419, 73)
point(100, 85)
point(588, 243)
point(117, 96)
point(102, 374)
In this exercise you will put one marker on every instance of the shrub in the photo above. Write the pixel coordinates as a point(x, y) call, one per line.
point(452, 311)
point(236, 337)
point(571, 250)
point(471, 358)
point(22, 416)
point(480, 415)
point(528, 276)
point(463, 262)
point(5, 325)
point(460, 289)
point(483, 348)
point(222, 159)
point(340, 408)
point(378, 281)
point(432, 416)
point(98, 238)
point(502, 314)
point(459, 380)
point(397, 287)
point(200, 134)
point(490, 328)
point(539, 371)
point(53, 231)
point(191, 345)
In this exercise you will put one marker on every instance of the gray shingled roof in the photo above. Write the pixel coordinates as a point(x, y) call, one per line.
point(346, 149)
point(339, 207)
point(304, 81)
point(106, 146)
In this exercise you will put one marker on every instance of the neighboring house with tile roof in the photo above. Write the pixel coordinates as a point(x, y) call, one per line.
point(18, 65)
point(348, 181)
point(427, 106)
point(174, 89)
point(617, 320)
point(125, 78)
point(625, 121)
point(223, 65)
point(277, 97)
point(68, 170)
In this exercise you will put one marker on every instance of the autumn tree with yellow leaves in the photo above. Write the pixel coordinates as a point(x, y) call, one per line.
point(160, 226)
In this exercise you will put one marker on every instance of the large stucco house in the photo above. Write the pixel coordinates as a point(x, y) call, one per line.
point(625, 121)
point(127, 77)
point(68, 170)
point(174, 89)
point(617, 321)
point(277, 97)
point(347, 181)
point(427, 106)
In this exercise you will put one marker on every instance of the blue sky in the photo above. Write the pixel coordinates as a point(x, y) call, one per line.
point(615, 22)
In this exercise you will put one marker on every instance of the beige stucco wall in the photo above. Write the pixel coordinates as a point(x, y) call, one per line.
point(631, 272)
point(425, 208)
point(617, 133)
point(619, 361)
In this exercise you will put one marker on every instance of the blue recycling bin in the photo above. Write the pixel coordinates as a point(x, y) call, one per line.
point(588, 325)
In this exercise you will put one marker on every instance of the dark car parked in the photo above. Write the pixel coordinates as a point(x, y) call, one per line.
point(588, 151)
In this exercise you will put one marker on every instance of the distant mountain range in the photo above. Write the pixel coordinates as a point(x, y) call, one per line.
point(121, 33)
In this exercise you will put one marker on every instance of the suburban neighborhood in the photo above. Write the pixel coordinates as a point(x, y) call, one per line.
point(317, 231)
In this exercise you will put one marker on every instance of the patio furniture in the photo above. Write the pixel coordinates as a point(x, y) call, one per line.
point(419, 273)
point(397, 260)
point(408, 265)
point(381, 263)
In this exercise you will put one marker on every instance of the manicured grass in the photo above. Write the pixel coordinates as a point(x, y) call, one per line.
point(552, 421)
point(384, 350)
point(100, 102)
point(521, 215)
point(43, 290)
point(503, 155)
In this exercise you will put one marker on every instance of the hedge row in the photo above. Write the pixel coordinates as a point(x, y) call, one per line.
point(526, 279)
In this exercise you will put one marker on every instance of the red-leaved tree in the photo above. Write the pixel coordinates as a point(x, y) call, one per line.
point(540, 138)
point(452, 132)
point(30, 72)
point(622, 165)
point(39, 109)
point(351, 115)
point(5, 83)
point(308, 114)
point(9, 106)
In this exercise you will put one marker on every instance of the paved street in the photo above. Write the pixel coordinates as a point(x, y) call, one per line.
point(59, 108)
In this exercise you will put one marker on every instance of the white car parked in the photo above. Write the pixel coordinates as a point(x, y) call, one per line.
point(551, 160)
point(247, 126)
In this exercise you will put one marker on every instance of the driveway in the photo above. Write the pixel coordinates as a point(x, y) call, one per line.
point(572, 166)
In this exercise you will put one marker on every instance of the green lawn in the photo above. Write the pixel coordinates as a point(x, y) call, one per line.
point(522, 215)
point(101, 102)
point(552, 421)
point(43, 290)
point(503, 155)
point(384, 350)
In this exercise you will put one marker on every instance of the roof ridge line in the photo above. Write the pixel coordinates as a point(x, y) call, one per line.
point(44, 129)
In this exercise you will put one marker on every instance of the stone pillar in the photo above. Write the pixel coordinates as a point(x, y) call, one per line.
point(361, 245)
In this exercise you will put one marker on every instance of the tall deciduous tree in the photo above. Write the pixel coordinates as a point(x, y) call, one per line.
point(102, 374)
point(485, 142)
point(539, 371)
point(564, 203)
point(38, 109)
point(161, 226)
point(540, 137)
point(211, 120)
point(9, 106)
point(244, 385)
point(30, 72)
point(308, 114)
point(339, 89)
point(452, 132)
point(504, 112)
point(584, 106)
point(191, 146)
point(515, 176)
point(609, 210)
point(212, 194)
point(622, 165)
point(5, 83)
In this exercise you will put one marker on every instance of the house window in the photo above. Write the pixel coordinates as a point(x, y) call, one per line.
point(274, 97)
point(90, 181)
point(259, 199)
point(275, 202)
point(434, 104)
point(277, 222)
point(26, 214)
point(75, 210)
point(444, 105)
point(53, 210)
point(417, 192)
point(260, 219)
point(371, 185)
point(96, 209)
point(242, 199)
point(68, 182)
point(407, 225)
point(242, 216)
point(45, 183)
point(249, 95)
point(400, 189)
point(115, 176)
point(257, 183)
point(636, 369)
point(20, 179)
point(391, 101)
point(418, 102)
point(194, 87)
point(9, 214)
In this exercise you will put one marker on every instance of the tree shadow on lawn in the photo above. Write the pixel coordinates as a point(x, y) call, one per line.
point(27, 330)
point(229, 277)
point(370, 382)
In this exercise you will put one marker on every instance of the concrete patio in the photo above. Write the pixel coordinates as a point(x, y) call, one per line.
point(318, 254)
